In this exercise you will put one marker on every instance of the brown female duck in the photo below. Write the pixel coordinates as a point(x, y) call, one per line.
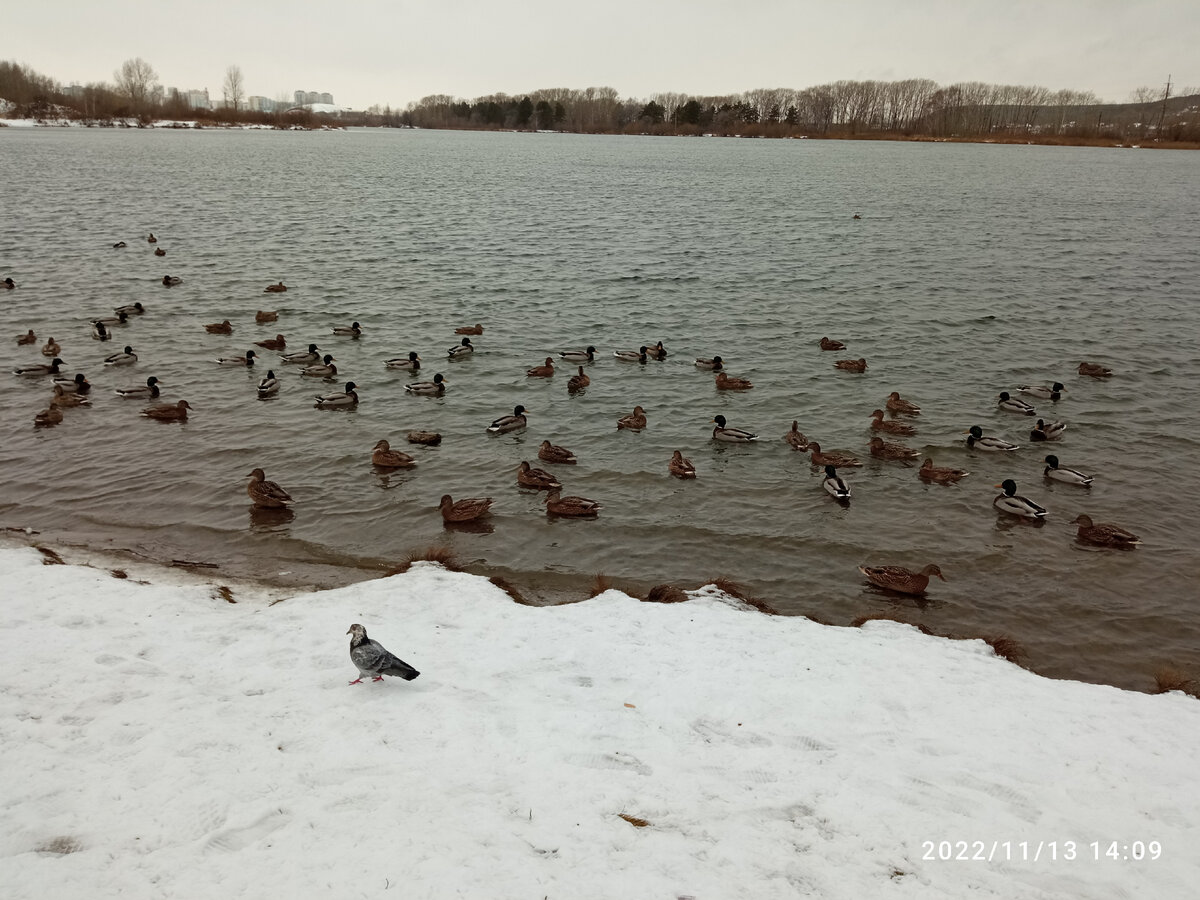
point(897, 404)
point(1094, 370)
point(219, 328)
point(466, 510)
point(176, 413)
point(51, 348)
point(882, 449)
point(262, 317)
point(851, 365)
point(839, 460)
point(827, 344)
point(469, 329)
point(570, 506)
point(279, 342)
point(939, 474)
point(552, 453)
point(385, 457)
point(277, 288)
point(578, 382)
point(878, 423)
point(1104, 534)
point(680, 466)
point(635, 421)
point(725, 383)
point(265, 494)
point(546, 370)
point(898, 578)
point(28, 338)
point(796, 438)
point(539, 479)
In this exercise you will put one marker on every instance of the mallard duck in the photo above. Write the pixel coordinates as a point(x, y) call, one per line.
point(939, 474)
point(120, 245)
point(882, 449)
point(898, 578)
point(1013, 405)
point(1012, 503)
point(895, 403)
point(469, 329)
point(834, 484)
point(151, 239)
point(219, 328)
point(51, 348)
point(176, 413)
point(1094, 370)
point(578, 382)
point(1104, 534)
point(878, 423)
point(725, 383)
point(463, 350)
point(171, 280)
point(635, 421)
point(125, 358)
point(515, 422)
point(247, 360)
point(63, 399)
point(795, 438)
point(557, 505)
point(338, 398)
point(50, 416)
point(1061, 473)
point(353, 330)
point(8, 284)
point(100, 332)
point(680, 466)
point(266, 494)
point(1047, 431)
point(536, 478)
point(976, 441)
point(149, 390)
point(277, 288)
point(713, 364)
point(279, 342)
point(552, 453)
point(77, 385)
point(130, 309)
point(579, 356)
point(159, 251)
point(324, 369)
point(27, 338)
point(305, 357)
point(437, 386)
point(466, 510)
point(1042, 392)
point(731, 435)
point(50, 368)
point(412, 362)
point(840, 460)
point(546, 370)
point(658, 351)
point(828, 344)
point(851, 365)
point(428, 438)
point(637, 356)
point(112, 321)
point(263, 316)
point(269, 384)
point(385, 457)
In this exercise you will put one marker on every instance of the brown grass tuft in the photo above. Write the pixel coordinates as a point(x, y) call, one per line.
point(665, 593)
point(728, 586)
point(1006, 648)
point(443, 556)
point(634, 820)
point(118, 573)
point(511, 589)
point(1167, 679)
point(224, 593)
point(600, 584)
point(50, 558)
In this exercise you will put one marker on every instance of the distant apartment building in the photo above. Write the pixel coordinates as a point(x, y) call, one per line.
point(307, 98)
point(260, 104)
point(197, 99)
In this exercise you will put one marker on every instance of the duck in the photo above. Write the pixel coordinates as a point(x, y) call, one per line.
point(171, 280)
point(50, 368)
point(882, 449)
point(1094, 370)
point(63, 399)
point(658, 351)
point(940, 474)
point(324, 369)
point(680, 466)
point(338, 398)
point(878, 423)
point(578, 382)
point(427, 438)
point(552, 453)
point(1042, 392)
point(265, 316)
point(795, 438)
point(151, 239)
point(579, 356)
point(1013, 405)
point(1062, 473)
point(437, 386)
point(27, 338)
point(279, 342)
point(536, 478)
point(575, 507)
point(515, 422)
point(278, 288)
point(219, 328)
point(839, 460)
point(176, 413)
point(1014, 504)
point(725, 383)
point(462, 351)
point(51, 348)
point(266, 494)
point(1047, 431)
point(110, 321)
point(900, 579)
point(130, 309)
point(711, 364)
point(1104, 534)
point(269, 384)
point(469, 329)
point(100, 332)
point(77, 385)
point(828, 344)
point(120, 245)
point(149, 390)
point(976, 441)
point(851, 365)
point(247, 360)
point(303, 357)
point(125, 358)
point(353, 330)
point(385, 457)
point(635, 421)
point(52, 415)
point(412, 362)
point(833, 483)
point(897, 404)
point(723, 432)
point(467, 509)
point(546, 370)
point(637, 356)
point(159, 251)
point(8, 284)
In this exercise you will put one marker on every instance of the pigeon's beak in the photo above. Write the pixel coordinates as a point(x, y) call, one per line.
point(349, 631)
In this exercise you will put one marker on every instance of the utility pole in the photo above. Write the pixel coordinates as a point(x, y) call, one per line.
point(1163, 112)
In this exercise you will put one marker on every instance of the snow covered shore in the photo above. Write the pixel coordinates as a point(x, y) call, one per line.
point(159, 741)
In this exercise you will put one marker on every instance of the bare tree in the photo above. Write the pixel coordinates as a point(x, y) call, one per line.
point(234, 88)
point(136, 78)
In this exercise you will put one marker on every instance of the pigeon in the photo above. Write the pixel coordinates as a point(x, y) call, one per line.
point(372, 658)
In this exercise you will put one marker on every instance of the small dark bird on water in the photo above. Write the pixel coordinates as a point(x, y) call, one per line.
point(371, 658)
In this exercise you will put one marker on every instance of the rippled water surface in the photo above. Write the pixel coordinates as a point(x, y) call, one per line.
point(973, 269)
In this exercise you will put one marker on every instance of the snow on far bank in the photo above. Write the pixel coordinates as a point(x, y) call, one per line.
point(159, 741)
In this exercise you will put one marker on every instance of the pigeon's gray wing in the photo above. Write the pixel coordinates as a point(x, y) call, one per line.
point(372, 658)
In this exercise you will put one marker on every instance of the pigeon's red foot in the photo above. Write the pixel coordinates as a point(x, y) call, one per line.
point(377, 678)
point(357, 681)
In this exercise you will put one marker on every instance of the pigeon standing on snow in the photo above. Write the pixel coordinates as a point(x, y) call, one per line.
point(372, 658)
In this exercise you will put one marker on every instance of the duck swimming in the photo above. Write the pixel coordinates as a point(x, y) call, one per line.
point(637, 356)
point(851, 365)
point(940, 474)
point(575, 507)
point(838, 460)
point(51, 348)
point(1012, 503)
point(546, 370)
point(469, 329)
point(338, 399)
point(723, 432)
point(463, 350)
point(579, 356)
point(279, 342)
point(882, 449)
point(658, 351)
point(159, 251)
point(726, 383)
point(1013, 405)
point(50, 368)
point(467, 509)
point(49, 416)
point(8, 284)
point(504, 424)
point(578, 382)
point(1042, 392)
point(61, 398)
point(827, 344)
point(1104, 534)
point(553, 453)
point(539, 479)
point(635, 421)
point(27, 338)
point(219, 328)
point(100, 332)
point(412, 362)
point(385, 457)
point(324, 369)
point(795, 438)
point(305, 357)
point(976, 441)
point(171, 280)
point(247, 360)
point(898, 578)
point(277, 288)
point(78, 385)
point(176, 413)
point(130, 309)
point(110, 321)
point(437, 386)
point(1062, 473)
point(126, 358)
point(1094, 370)
point(263, 316)
point(680, 466)
point(713, 364)
point(266, 494)
point(269, 384)
point(878, 423)
point(833, 483)
point(1047, 431)
point(149, 390)
point(348, 330)
point(895, 403)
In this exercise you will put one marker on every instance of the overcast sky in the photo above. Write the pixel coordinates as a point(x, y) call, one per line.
point(395, 51)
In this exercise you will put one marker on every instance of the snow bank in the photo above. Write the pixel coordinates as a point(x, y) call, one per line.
point(159, 741)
